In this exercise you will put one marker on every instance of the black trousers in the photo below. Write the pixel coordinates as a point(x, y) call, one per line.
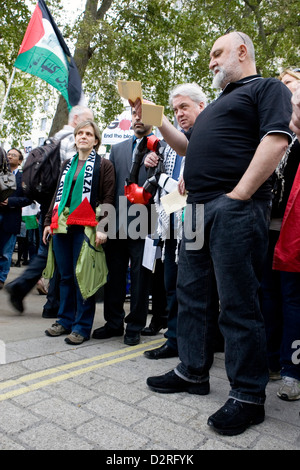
point(120, 254)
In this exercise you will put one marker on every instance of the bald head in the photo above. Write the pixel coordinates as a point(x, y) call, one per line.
point(239, 38)
point(232, 58)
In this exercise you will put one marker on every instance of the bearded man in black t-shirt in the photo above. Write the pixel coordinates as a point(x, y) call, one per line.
point(233, 148)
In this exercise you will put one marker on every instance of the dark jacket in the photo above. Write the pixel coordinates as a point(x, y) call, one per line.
point(121, 158)
point(13, 211)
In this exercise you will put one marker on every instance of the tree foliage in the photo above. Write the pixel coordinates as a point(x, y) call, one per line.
point(159, 42)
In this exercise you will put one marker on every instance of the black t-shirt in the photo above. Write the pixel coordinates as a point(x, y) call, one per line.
point(227, 133)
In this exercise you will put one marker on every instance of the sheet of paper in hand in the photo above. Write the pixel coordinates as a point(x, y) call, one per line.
point(152, 114)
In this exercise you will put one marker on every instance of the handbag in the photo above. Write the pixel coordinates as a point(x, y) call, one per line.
point(8, 182)
point(91, 268)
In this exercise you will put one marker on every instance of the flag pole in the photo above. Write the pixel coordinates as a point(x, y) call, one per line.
point(6, 96)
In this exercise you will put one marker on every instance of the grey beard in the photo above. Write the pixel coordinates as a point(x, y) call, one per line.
point(218, 79)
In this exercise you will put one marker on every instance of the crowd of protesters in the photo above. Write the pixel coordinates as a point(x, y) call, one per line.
point(231, 257)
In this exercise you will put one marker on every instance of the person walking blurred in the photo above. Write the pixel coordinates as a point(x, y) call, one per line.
point(11, 215)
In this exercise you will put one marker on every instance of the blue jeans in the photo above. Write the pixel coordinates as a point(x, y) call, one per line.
point(281, 310)
point(7, 245)
point(75, 313)
point(290, 351)
point(233, 253)
point(271, 305)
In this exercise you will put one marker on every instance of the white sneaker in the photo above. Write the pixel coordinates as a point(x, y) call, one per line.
point(290, 389)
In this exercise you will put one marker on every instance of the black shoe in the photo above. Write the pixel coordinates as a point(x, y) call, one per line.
point(49, 313)
point(172, 383)
point(132, 339)
point(235, 417)
point(152, 329)
point(15, 299)
point(161, 353)
point(17, 264)
point(107, 332)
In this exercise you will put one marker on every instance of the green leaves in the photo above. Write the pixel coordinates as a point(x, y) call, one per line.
point(160, 42)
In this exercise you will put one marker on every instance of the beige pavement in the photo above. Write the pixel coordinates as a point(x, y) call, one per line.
point(94, 396)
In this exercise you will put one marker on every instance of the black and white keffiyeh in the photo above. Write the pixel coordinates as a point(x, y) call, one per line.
point(163, 223)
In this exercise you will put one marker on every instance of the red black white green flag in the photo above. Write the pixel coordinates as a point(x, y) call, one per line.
point(44, 53)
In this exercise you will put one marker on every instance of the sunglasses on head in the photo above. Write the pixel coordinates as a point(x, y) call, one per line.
point(231, 30)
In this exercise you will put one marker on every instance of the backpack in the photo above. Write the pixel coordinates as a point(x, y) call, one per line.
point(41, 171)
point(8, 182)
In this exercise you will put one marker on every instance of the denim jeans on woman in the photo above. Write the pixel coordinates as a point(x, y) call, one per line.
point(75, 313)
point(233, 253)
point(280, 297)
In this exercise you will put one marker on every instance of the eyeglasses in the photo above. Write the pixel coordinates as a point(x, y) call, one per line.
point(231, 30)
point(13, 155)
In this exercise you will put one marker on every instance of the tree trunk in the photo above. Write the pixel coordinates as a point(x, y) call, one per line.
point(83, 53)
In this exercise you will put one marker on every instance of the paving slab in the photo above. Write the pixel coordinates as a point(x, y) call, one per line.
point(54, 396)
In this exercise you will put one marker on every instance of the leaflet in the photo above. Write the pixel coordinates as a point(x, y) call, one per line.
point(152, 114)
point(173, 201)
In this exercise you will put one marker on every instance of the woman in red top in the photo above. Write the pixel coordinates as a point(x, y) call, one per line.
point(281, 281)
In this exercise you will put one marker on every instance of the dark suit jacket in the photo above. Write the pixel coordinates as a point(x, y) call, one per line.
point(121, 158)
point(12, 213)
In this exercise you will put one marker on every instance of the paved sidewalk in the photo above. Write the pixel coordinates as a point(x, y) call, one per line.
point(94, 396)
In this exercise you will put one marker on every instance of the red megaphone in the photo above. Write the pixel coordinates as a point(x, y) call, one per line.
point(137, 194)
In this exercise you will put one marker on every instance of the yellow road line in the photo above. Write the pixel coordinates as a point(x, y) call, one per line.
point(61, 377)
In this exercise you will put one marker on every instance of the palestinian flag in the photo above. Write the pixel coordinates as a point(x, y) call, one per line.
point(29, 216)
point(44, 53)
